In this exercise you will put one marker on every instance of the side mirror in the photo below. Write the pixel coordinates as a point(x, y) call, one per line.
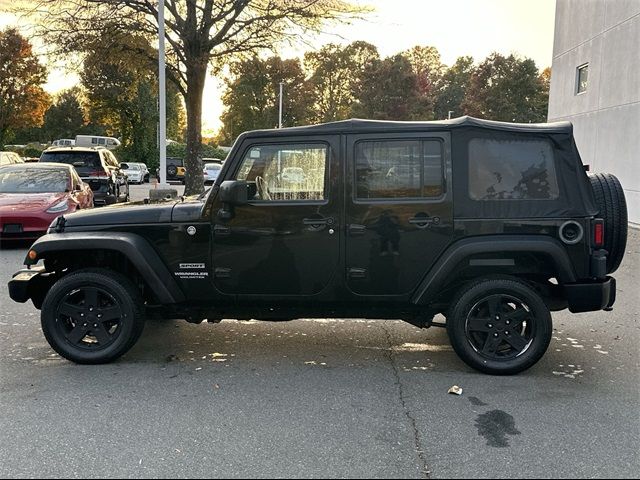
point(232, 193)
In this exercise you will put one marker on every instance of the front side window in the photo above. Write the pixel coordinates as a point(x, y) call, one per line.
point(582, 78)
point(511, 170)
point(286, 172)
point(399, 169)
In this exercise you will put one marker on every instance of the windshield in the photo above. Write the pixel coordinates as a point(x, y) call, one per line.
point(212, 166)
point(133, 167)
point(33, 180)
point(85, 162)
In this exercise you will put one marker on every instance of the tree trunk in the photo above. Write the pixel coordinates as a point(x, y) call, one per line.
point(196, 76)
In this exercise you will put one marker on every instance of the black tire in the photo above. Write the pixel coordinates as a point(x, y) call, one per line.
point(612, 205)
point(504, 340)
point(97, 339)
point(172, 170)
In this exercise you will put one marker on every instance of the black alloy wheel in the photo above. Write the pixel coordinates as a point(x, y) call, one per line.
point(499, 326)
point(92, 316)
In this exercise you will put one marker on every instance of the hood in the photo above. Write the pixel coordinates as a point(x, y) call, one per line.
point(137, 213)
point(29, 202)
point(122, 214)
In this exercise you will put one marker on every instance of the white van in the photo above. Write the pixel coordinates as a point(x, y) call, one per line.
point(97, 141)
point(63, 142)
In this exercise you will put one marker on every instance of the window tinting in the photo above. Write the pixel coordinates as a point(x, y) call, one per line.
point(286, 172)
point(511, 170)
point(398, 169)
point(84, 162)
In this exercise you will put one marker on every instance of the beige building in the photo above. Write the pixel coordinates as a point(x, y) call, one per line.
point(595, 84)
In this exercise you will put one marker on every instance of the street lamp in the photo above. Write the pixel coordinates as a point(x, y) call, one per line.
point(162, 96)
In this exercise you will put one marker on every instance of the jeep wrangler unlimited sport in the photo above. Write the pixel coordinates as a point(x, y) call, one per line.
point(492, 225)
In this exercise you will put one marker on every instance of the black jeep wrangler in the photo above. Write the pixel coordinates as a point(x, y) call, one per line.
point(492, 225)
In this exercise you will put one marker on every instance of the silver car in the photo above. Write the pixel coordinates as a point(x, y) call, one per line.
point(134, 173)
point(211, 172)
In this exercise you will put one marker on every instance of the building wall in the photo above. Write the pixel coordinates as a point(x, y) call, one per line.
point(606, 117)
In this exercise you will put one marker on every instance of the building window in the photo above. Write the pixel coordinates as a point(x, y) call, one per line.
point(582, 78)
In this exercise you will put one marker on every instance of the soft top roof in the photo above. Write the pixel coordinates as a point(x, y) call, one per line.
point(356, 125)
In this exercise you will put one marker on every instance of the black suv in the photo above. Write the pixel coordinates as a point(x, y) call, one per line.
point(493, 225)
point(97, 167)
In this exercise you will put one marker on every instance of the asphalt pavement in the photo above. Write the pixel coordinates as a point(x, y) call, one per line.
point(321, 398)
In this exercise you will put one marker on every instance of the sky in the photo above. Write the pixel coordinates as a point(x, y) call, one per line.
point(454, 27)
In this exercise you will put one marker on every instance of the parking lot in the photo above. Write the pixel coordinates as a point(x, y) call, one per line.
point(321, 398)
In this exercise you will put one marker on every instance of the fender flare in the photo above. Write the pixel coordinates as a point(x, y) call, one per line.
point(444, 267)
point(134, 247)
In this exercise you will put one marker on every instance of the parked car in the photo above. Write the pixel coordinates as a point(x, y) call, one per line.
point(96, 166)
point(33, 195)
point(9, 158)
point(211, 172)
point(97, 141)
point(134, 173)
point(144, 168)
point(501, 227)
point(175, 170)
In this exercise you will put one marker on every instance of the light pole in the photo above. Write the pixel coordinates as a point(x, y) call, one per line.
point(162, 96)
point(280, 109)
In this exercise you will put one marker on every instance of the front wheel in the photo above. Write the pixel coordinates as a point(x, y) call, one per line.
point(499, 326)
point(92, 316)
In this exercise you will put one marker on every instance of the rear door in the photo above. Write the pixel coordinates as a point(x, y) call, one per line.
point(399, 210)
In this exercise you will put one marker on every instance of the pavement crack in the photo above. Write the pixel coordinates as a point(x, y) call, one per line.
point(417, 443)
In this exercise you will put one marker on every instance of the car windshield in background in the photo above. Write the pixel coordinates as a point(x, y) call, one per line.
point(213, 166)
point(33, 180)
point(84, 162)
point(133, 167)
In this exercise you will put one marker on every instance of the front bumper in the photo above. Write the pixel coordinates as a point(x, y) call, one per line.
point(28, 283)
point(591, 296)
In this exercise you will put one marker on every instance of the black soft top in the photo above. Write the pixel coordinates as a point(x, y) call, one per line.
point(357, 125)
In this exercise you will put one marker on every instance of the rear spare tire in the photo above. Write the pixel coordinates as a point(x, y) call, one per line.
point(613, 210)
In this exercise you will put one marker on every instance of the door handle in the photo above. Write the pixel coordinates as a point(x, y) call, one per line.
point(355, 229)
point(318, 222)
point(424, 221)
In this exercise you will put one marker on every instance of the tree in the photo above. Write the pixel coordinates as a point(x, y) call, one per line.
point(65, 118)
point(199, 33)
point(121, 88)
point(453, 88)
point(428, 69)
point(252, 95)
point(336, 78)
point(508, 89)
point(389, 90)
point(22, 99)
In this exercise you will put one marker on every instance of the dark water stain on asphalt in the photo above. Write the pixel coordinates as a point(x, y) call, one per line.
point(494, 426)
point(477, 402)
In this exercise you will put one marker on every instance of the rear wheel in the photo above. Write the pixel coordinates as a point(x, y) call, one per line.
point(92, 316)
point(499, 326)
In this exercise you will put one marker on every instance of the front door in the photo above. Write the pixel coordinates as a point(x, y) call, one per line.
point(399, 210)
point(286, 241)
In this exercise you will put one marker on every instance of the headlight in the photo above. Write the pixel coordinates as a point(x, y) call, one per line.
point(59, 207)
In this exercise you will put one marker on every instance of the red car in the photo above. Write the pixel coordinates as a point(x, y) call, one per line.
point(32, 195)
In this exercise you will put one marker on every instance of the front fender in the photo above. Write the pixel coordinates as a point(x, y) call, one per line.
point(139, 252)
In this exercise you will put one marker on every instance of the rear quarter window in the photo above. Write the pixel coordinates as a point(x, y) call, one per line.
point(512, 170)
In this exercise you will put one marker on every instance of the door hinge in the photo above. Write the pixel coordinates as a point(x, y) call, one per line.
point(222, 272)
point(221, 230)
point(357, 272)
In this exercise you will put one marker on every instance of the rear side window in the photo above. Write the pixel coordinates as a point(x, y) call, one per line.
point(398, 169)
point(511, 170)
